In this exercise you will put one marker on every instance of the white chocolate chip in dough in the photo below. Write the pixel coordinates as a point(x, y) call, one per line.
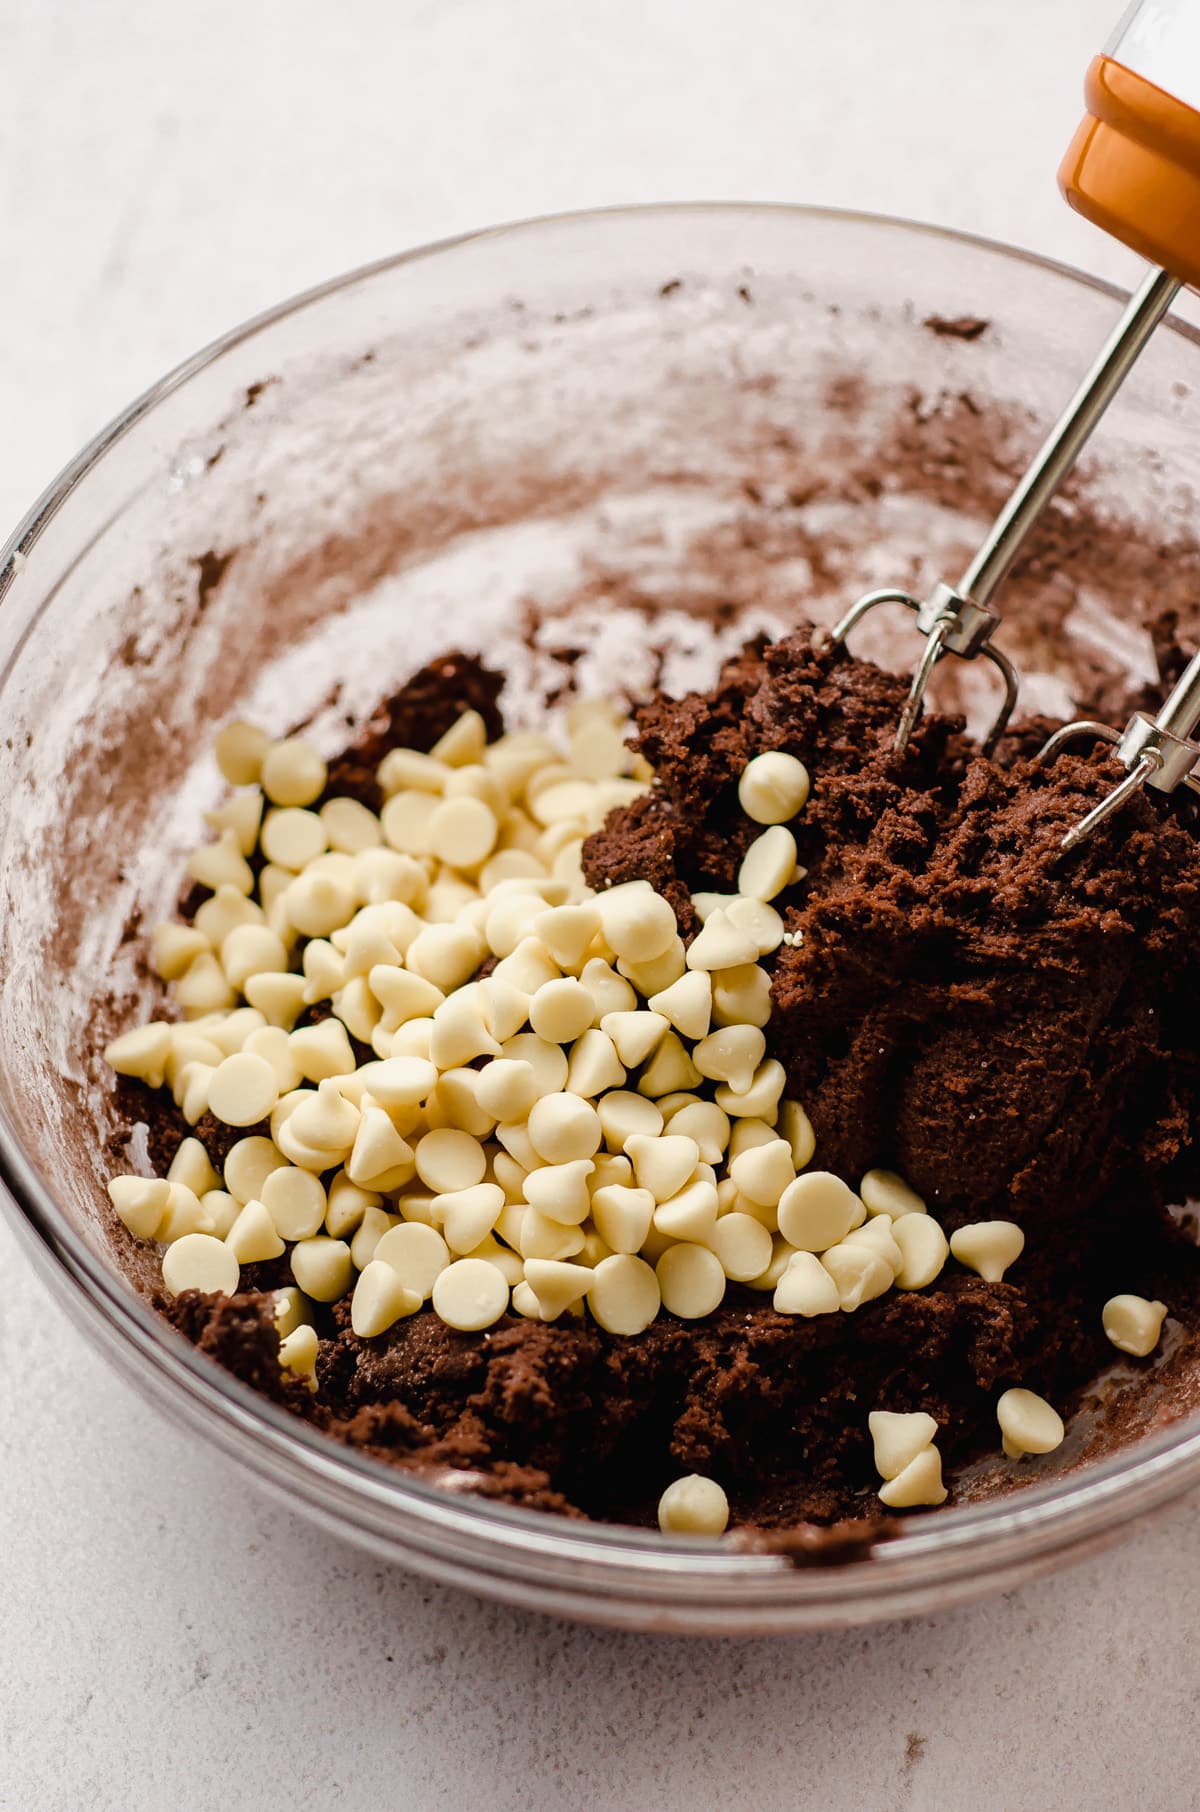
point(557, 1285)
point(637, 923)
point(804, 1286)
point(624, 1297)
point(298, 1354)
point(222, 864)
point(690, 1214)
point(924, 1249)
point(817, 1211)
point(175, 948)
point(759, 921)
point(141, 1203)
point(240, 750)
point(691, 1281)
point(920, 1483)
point(860, 1274)
point(296, 1202)
point(567, 932)
point(380, 1300)
point(898, 1438)
point(876, 1235)
point(292, 837)
point(253, 1238)
point(470, 1294)
point(687, 1003)
point(764, 1172)
point(634, 1035)
point(622, 1215)
point(883, 1192)
point(560, 1191)
point(743, 1245)
point(381, 1159)
point(768, 865)
point(773, 787)
point(694, 1505)
point(292, 773)
point(418, 1254)
point(467, 1216)
point(721, 944)
point(988, 1247)
point(669, 1070)
point(761, 1100)
point(200, 1262)
point(741, 996)
point(663, 1164)
point(1133, 1324)
point(624, 1115)
point(707, 1124)
point(449, 1160)
point(594, 1066)
point(732, 1054)
point(322, 1267)
point(322, 1051)
point(561, 1011)
point(141, 1053)
point(1028, 1424)
point(242, 1089)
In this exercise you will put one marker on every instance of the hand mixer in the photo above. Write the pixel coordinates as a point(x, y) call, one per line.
point(1133, 168)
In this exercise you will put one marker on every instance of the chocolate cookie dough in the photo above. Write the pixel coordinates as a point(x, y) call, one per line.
point(1015, 1034)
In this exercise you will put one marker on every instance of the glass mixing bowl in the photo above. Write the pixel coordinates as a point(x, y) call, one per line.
point(636, 435)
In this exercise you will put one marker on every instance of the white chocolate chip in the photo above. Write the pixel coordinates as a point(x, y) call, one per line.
point(818, 1210)
point(379, 1301)
point(347, 1205)
point(368, 1235)
point(141, 1053)
point(732, 1054)
point(460, 1032)
point(761, 1100)
point(204, 988)
point(191, 1167)
point(1028, 1424)
point(804, 1286)
point(924, 1249)
point(768, 865)
point(759, 921)
point(507, 1088)
point(141, 1203)
point(296, 1202)
point(743, 1245)
point(350, 827)
point(721, 944)
point(707, 1124)
point(242, 1090)
point(594, 1065)
point(860, 1274)
point(293, 773)
point(403, 769)
point(253, 1238)
point(561, 1011)
point(562, 1127)
point(175, 949)
point(291, 1310)
point(292, 837)
point(252, 950)
point(773, 787)
point(988, 1247)
point(690, 1214)
point(876, 1235)
point(381, 1158)
point(741, 996)
point(795, 1126)
point(322, 1267)
point(220, 1211)
point(670, 1069)
point(637, 923)
point(298, 1354)
point(403, 995)
point(560, 1191)
point(653, 976)
point(240, 749)
point(622, 1217)
point(468, 1215)
point(634, 1035)
point(449, 1160)
point(463, 743)
point(610, 992)
point(624, 1115)
point(470, 1294)
point(883, 1192)
point(693, 1506)
point(222, 864)
point(919, 1483)
point(624, 1297)
point(1133, 1324)
point(687, 1003)
point(557, 1285)
point(567, 932)
point(242, 814)
point(200, 1262)
point(278, 997)
point(462, 831)
point(317, 903)
point(691, 1281)
point(764, 1172)
point(898, 1439)
point(418, 1254)
point(663, 1164)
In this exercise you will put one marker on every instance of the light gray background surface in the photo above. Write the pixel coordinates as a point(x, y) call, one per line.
point(166, 1639)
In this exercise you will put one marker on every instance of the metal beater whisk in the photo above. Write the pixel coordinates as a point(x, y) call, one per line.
point(1138, 144)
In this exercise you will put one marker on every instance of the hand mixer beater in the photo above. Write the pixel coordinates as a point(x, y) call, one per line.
point(1133, 168)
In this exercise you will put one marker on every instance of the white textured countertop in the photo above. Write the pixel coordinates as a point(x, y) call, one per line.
point(167, 1639)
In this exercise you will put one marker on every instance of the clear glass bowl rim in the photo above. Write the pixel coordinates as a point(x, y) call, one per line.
point(608, 1573)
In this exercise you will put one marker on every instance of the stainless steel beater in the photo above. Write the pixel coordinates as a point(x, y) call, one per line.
point(1138, 145)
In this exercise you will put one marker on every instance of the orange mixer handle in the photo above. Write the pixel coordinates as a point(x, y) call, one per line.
point(1133, 166)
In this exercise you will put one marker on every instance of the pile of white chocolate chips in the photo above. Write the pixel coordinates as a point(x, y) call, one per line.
point(592, 1126)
